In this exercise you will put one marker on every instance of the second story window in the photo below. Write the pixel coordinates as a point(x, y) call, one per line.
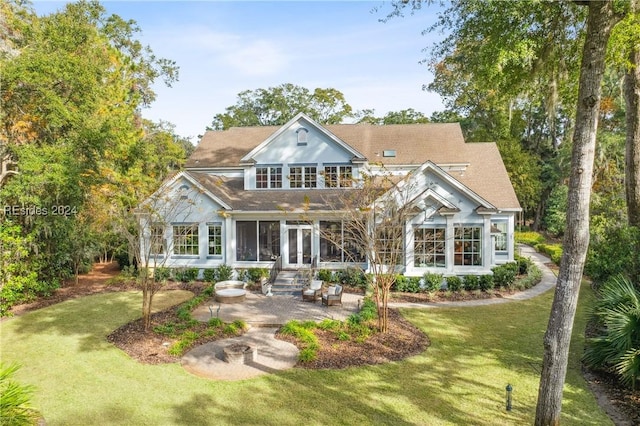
point(303, 177)
point(338, 176)
point(268, 177)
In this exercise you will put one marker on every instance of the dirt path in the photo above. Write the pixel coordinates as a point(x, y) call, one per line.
point(95, 281)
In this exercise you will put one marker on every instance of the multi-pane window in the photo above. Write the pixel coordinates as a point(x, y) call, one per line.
point(429, 247)
point(268, 177)
point(156, 239)
point(185, 239)
point(499, 229)
point(215, 239)
point(389, 245)
point(303, 177)
point(338, 176)
point(468, 245)
point(257, 240)
point(339, 244)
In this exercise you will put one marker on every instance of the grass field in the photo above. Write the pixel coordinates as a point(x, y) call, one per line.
point(460, 380)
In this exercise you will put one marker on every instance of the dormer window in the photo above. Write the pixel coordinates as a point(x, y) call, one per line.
point(303, 136)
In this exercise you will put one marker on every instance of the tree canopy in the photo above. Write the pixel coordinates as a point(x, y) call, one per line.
point(74, 84)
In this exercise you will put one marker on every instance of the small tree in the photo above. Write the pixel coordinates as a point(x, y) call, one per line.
point(145, 230)
point(374, 216)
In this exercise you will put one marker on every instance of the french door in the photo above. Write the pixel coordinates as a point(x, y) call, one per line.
point(299, 239)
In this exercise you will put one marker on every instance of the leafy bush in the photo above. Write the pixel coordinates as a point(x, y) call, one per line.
point(554, 251)
point(505, 275)
point(223, 273)
point(15, 406)
point(432, 282)
point(486, 282)
point(454, 283)
point(209, 275)
point(256, 274)
point(353, 277)
point(523, 264)
point(613, 251)
point(471, 282)
point(533, 277)
point(406, 284)
point(326, 275)
point(161, 274)
point(529, 238)
point(617, 346)
point(187, 275)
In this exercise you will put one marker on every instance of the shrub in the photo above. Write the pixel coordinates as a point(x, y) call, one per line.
point(486, 282)
point(505, 275)
point(223, 273)
point(15, 408)
point(353, 277)
point(613, 251)
point(432, 282)
point(454, 283)
point(471, 282)
point(162, 274)
point(554, 251)
point(256, 274)
point(326, 275)
point(523, 264)
point(533, 277)
point(529, 238)
point(209, 275)
point(187, 275)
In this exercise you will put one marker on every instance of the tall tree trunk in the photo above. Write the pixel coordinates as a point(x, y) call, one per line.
point(600, 21)
point(632, 100)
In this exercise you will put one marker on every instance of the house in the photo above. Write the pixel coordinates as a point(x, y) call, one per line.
point(251, 195)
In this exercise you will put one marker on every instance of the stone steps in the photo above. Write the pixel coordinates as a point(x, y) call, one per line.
point(285, 284)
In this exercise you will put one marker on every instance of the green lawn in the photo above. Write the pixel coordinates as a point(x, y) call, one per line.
point(460, 379)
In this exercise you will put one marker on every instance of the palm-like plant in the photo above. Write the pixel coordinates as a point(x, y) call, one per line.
point(617, 346)
point(15, 405)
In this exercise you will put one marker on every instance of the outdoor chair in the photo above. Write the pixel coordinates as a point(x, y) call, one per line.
point(333, 296)
point(312, 291)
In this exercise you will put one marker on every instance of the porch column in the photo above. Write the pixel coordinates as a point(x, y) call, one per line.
point(229, 235)
point(449, 244)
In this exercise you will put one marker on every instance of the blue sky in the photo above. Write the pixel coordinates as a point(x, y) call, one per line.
point(225, 47)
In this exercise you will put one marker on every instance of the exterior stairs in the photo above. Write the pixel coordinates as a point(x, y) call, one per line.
point(286, 283)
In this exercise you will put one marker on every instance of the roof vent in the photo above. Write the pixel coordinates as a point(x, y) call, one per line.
point(389, 153)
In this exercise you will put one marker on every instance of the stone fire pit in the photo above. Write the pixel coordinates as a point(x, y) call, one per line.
point(239, 353)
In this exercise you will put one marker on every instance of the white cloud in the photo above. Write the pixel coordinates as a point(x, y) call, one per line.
point(257, 58)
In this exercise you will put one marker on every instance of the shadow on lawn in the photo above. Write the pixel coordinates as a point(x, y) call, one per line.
point(89, 318)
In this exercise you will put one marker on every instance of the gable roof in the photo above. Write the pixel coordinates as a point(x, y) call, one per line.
point(413, 143)
point(301, 117)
